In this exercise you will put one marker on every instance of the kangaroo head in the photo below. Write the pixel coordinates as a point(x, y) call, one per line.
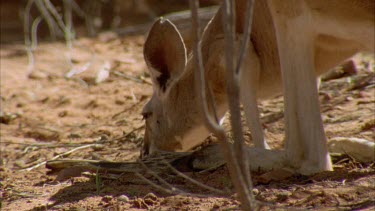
point(172, 116)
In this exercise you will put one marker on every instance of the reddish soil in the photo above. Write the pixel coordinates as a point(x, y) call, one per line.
point(45, 114)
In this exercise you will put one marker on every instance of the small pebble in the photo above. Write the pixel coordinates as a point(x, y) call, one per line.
point(123, 198)
point(63, 114)
point(37, 75)
point(151, 196)
point(7, 117)
point(348, 98)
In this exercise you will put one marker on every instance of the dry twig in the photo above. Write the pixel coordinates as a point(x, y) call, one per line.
point(28, 42)
point(199, 184)
point(138, 80)
point(153, 184)
point(154, 174)
point(51, 23)
point(59, 156)
point(238, 176)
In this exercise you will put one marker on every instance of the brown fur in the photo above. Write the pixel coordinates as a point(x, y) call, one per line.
point(299, 33)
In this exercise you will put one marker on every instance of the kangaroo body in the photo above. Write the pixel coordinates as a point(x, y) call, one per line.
point(291, 43)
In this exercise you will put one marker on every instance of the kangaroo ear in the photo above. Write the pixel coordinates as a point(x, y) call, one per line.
point(165, 54)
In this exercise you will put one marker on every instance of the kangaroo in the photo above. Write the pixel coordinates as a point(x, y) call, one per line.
point(333, 26)
point(291, 43)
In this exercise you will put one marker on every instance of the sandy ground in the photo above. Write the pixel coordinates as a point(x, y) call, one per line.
point(46, 113)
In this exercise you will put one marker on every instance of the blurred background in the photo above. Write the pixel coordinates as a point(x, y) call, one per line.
point(53, 19)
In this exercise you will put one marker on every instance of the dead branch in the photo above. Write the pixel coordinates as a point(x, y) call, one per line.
point(59, 26)
point(154, 174)
point(238, 177)
point(166, 190)
point(154, 165)
point(77, 9)
point(44, 145)
point(138, 80)
point(67, 26)
point(232, 87)
point(31, 46)
point(59, 156)
point(68, 30)
point(154, 162)
point(26, 31)
point(233, 80)
point(51, 23)
point(52, 10)
point(34, 29)
point(132, 131)
point(153, 184)
point(199, 184)
point(245, 37)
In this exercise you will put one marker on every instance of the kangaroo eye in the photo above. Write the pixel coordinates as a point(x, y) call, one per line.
point(146, 115)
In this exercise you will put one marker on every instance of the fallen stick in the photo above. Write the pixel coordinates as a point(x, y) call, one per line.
point(206, 158)
point(59, 156)
point(154, 163)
